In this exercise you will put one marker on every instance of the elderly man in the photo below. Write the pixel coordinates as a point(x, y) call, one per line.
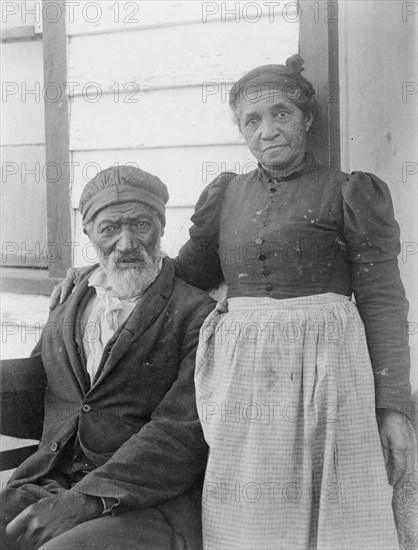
point(122, 452)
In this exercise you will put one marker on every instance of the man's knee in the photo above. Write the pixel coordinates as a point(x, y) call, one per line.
point(11, 504)
point(133, 530)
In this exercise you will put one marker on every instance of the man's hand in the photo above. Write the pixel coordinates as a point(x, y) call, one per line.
point(52, 516)
point(63, 289)
point(398, 445)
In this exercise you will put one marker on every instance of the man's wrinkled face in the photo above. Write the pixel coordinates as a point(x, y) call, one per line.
point(274, 128)
point(127, 237)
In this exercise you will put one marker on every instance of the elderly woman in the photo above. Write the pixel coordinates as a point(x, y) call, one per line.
point(284, 374)
point(290, 370)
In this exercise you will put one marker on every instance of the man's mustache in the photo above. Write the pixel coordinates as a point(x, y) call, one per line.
point(131, 256)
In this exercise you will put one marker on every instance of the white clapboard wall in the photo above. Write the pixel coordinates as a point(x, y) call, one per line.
point(22, 149)
point(148, 85)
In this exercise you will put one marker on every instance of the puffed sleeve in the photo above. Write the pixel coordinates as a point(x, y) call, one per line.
point(198, 261)
point(372, 236)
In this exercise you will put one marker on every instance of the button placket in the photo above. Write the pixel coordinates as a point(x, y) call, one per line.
point(261, 222)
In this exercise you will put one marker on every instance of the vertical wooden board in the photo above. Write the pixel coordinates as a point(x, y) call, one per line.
point(124, 15)
point(159, 118)
point(22, 93)
point(23, 207)
point(57, 142)
point(82, 251)
point(163, 57)
point(318, 27)
point(185, 170)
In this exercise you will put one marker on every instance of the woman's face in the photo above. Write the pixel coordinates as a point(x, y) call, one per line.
point(274, 128)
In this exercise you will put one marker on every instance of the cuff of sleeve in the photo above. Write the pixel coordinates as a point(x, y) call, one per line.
point(397, 399)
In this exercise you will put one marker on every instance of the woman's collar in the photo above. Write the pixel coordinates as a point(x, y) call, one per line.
point(308, 164)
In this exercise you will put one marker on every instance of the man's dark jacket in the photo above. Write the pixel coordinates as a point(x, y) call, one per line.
point(138, 423)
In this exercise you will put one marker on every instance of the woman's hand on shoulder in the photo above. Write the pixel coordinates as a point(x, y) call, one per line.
point(64, 288)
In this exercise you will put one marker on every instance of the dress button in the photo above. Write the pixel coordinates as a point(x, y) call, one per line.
point(269, 288)
point(77, 458)
point(53, 446)
point(266, 272)
point(262, 257)
point(86, 408)
point(258, 241)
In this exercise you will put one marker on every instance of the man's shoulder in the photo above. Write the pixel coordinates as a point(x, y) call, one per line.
point(189, 302)
point(191, 295)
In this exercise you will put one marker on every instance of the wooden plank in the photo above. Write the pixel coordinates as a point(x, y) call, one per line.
point(131, 14)
point(14, 457)
point(23, 193)
point(8, 443)
point(19, 309)
point(160, 118)
point(57, 142)
point(22, 317)
point(19, 339)
point(22, 85)
point(163, 57)
point(24, 285)
point(139, 14)
point(20, 13)
point(20, 34)
point(334, 106)
point(344, 86)
point(185, 170)
point(24, 312)
point(318, 39)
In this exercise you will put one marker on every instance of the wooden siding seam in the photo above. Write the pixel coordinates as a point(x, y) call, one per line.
point(42, 144)
point(144, 147)
point(20, 34)
point(163, 25)
point(152, 88)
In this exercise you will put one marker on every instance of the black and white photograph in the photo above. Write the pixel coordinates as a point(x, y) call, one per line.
point(208, 284)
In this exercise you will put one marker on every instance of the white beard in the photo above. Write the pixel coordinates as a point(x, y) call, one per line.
point(127, 282)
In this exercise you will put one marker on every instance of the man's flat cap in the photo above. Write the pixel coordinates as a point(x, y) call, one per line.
point(121, 184)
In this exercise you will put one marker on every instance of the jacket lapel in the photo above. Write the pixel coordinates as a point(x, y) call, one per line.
point(147, 310)
point(71, 334)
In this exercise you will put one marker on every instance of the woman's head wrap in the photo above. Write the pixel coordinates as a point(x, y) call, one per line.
point(286, 78)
